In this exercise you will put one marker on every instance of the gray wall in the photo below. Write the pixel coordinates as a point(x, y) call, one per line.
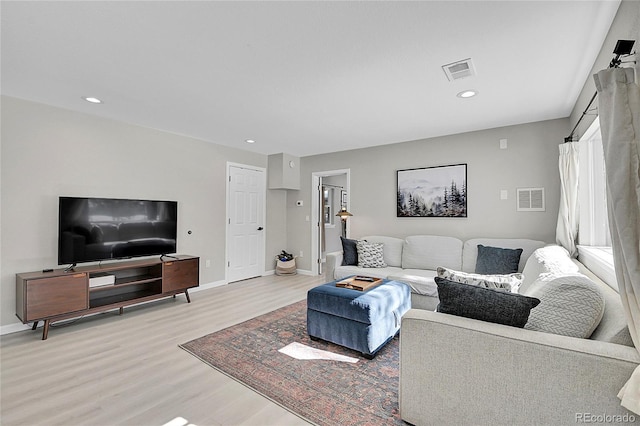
point(48, 152)
point(625, 26)
point(531, 160)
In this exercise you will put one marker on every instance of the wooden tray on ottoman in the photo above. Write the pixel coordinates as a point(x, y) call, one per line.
point(359, 282)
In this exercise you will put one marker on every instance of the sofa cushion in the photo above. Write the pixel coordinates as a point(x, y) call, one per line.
point(552, 259)
point(508, 282)
point(570, 305)
point(392, 249)
point(470, 250)
point(370, 255)
point(349, 251)
point(431, 251)
point(497, 260)
point(420, 280)
point(484, 304)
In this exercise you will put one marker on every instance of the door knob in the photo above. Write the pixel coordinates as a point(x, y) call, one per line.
point(260, 228)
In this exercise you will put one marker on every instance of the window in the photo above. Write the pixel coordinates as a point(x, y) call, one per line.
point(594, 224)
point(594, 238)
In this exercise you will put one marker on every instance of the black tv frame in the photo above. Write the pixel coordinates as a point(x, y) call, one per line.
point(83, 239)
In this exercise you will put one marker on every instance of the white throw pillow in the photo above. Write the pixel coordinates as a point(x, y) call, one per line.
point(570, 305)
point(370, 255)
point(507, 282)
point(392, 249)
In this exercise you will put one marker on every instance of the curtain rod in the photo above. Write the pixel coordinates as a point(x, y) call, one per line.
point(570, 137)
point(623, 48)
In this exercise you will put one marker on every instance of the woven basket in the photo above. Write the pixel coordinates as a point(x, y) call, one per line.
point(287, 267)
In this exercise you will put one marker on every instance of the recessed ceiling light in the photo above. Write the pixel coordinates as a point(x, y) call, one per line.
point(92, 100)
point(250, 141)
point(467, 94)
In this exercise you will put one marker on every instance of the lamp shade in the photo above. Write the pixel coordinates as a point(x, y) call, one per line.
point(343, 213)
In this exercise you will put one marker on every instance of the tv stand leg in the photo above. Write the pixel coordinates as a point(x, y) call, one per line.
point(45, 329)
point(186, 293)
point(121, 310)
point(35, 325)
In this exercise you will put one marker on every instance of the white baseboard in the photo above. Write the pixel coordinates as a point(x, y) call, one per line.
point(208, 286)
point(16, 327)
point(13, 328)
point(299, 271)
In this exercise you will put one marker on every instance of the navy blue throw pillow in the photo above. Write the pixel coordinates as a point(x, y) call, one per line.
point(494, 260)
point(350, 251)
point(484, 304)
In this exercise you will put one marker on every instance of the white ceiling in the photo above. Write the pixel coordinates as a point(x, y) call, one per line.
point(304, 77)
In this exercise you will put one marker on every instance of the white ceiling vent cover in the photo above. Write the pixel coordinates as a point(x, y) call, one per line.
point(531, 200)
point(460, 69)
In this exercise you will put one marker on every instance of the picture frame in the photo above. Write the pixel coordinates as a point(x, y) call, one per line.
point(439, 191)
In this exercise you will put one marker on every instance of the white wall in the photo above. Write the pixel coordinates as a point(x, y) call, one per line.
point(48, 152)
point(531, 160)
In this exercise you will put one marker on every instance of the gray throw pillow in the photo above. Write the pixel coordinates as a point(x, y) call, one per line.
point(484, 304)
point(370, 255)
point(349, 251)
point(495, 260)
point(570, 305)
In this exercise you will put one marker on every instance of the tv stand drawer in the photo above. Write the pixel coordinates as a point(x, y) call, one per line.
point(49, 297)
point(180, 274)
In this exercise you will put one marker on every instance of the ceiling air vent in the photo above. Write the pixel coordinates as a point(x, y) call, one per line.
point(460, 69)
point(530, 200)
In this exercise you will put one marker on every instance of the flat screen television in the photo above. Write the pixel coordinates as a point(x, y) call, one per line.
point(94, 229)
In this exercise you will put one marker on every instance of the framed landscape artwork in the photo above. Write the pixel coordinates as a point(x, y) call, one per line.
point(433, 192)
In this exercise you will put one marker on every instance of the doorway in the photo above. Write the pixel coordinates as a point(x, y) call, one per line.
point(246, 189)
point(330, 192)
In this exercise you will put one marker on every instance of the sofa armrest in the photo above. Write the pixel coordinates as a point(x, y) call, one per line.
point(456, 370)
point(334, 259)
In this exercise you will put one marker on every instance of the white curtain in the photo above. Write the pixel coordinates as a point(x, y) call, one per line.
point(619, 108)
point(567, 228)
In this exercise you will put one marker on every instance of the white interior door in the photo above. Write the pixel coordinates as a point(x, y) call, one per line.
point(245, 236)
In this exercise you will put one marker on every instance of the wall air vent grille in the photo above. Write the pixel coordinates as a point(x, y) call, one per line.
point(459, 69)
point(531, 200)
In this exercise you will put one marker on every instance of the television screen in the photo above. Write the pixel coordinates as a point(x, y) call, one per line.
point(92, 229)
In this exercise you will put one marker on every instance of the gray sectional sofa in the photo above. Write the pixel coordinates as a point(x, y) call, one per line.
point(461, 371)
point(414, 260)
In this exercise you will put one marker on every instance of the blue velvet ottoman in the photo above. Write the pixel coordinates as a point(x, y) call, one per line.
point(361, 320)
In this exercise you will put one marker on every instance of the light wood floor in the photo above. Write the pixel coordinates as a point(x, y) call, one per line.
point(128, 370)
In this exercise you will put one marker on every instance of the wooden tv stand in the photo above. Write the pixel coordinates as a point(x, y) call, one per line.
point(59, 294)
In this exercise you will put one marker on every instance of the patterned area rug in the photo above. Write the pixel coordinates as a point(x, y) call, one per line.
point(323, 392)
